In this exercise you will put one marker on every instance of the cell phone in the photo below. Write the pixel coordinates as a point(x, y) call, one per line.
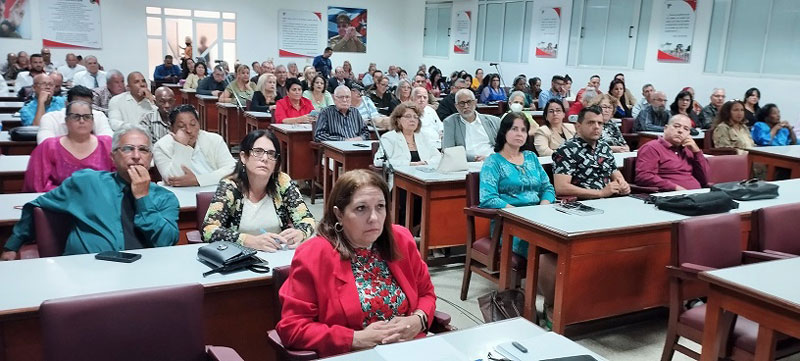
point(360, 145)
point(114, 256)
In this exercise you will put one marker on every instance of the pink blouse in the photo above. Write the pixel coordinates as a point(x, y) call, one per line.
point(51, 163)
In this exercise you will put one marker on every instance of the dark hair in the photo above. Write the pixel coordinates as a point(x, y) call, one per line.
point(466, 77)
point(328, 49)
point(37, 55)
point(295, 81)
point(402, 71)
point(618, 74)
point(477, 70)
point(205, 69)
point(167, 57)
point(595, 76)
point(591, 109)
point(220, 68)
point(79, 91)
point(557, 77)
point(724, 115)
point(763, 113)
point(68, 107)
point(750, 92)
point(184, 108)
point(567, 78)
point(399, 111)
point(519, 78)
point(432, 68)
point(239, 175)
point(340, 196)
point(547, 108)
point(674, 106)
point(505, 125)
point(492, 77)
point(311, 85)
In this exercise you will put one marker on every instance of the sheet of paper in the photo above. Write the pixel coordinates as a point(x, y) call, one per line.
point(545, 346)
point(428, 349)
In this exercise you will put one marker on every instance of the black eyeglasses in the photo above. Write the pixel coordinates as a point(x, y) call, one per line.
point(261, 152)
point(128, 149)
point(75, 116)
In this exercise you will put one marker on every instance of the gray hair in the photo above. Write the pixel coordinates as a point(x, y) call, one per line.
point(718, 90)
point(589, 94)
point(416, 90)
point(465, 93)
point(114, 72)
point(461, 81)
point(399, 84)
point(341, 89)
point(676, 117)
point(514, 94)
point(90, 57)
point(648, 85)
point(125, 129)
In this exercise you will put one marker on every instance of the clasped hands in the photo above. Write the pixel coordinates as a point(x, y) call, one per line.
point(397, 329)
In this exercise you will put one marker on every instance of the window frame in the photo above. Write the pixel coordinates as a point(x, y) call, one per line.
point(638, 38)
point(524, 48)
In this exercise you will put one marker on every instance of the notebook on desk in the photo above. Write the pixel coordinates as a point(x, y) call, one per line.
point(547, 347)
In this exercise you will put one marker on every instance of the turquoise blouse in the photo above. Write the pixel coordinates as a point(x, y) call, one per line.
point(504, 183)
point(762, 136)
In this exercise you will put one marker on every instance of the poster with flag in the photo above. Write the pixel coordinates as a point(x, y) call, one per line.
point(548, 28)
point(678, 31)
point(299, 33)
point(347, 29)
point(463, 32)
point(15, 19)
point(71, 24)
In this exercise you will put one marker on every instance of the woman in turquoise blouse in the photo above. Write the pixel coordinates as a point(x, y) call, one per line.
point(512, 177)
point(770, 130)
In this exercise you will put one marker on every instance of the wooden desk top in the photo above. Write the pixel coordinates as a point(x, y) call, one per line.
point(257, 115)
point(10, 164)
point(7, 116)
point(291, 128)
point(226, 105)
point(11, 104)
point(428, 174)
point(183, 90)
point(774, 281)
point(349, 146)
point(187, 195)
point(791, 152)
point(206, 97)
point(31, 281)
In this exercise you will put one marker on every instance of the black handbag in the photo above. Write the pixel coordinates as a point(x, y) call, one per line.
point(225, 257)
point(497, 306)
point(748, 190)
point(24, 133)
point(697, 204)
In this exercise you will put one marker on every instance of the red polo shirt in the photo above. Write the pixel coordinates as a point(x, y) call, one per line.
point(284, 109)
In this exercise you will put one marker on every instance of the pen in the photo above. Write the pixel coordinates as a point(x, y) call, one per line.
point(283, 245)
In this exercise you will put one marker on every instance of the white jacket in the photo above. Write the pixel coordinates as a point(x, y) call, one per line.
point(170, 155)
point(397, 149)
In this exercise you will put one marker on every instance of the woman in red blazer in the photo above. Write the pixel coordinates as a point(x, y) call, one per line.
point(361, 282)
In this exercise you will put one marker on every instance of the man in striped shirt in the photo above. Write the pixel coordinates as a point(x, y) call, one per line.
point(157, 122)
point(340, 121)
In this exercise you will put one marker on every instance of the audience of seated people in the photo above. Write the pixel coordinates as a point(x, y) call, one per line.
point(365, 106)
point(131, 106)
point(257, 205)
point(673, 162)
point(383, 99)
point(555, 130)
point(586, 96)
point(189, 156)
point(70, 68)
point(26, 78)
point(612, 135)
point(53, 124)
point(474, 131)
point(318, 94)
point(402, 91)
point(594, 82)
point(214, 84)
point(406, 144)
point(340, 121)
point(769, 129)
point(294, 108)
point(339, 78)
point(555, 92)
point(647, 94)
point(654, 116)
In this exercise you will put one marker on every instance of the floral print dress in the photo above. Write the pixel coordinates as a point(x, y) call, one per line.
point(381, 298)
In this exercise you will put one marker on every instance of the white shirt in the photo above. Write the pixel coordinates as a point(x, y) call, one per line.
point(123, 108)
point(432, 127)
point(209, 160)
point(53, 124)
point(86, 79)
point(259, 217)
point(69, 73)
point(393, 80)
point(4, 88)
point(476, 140)
point(23, 79)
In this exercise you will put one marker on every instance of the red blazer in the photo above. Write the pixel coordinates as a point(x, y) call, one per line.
point(321, 308)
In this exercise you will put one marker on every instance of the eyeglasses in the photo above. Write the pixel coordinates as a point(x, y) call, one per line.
point(606, 107)
point(128, 149)
point(261, 152)
point(75, 116)
point(342, 97)
point(410, 116)
point(465, 103)
point(554, 111)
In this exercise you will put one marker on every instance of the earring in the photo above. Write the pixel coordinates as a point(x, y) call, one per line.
point(338, 227)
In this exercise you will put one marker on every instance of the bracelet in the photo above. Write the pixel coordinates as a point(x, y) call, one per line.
point(423, 320)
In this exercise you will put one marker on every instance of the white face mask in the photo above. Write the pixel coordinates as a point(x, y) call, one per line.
point(515, 107)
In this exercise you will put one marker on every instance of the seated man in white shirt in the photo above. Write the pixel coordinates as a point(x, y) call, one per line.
point(130, 106)
point(432, 126)
point(92, 77)
point(53, 124)
point(25, 78)
point(189, 156)
point(71, 68)
point(476, 132)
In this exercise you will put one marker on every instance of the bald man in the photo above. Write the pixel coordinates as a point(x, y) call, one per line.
point(674, 162)
point(654, 116)
point(43, 101)
point(130, 106)
point(156, 122)
point(58, 79)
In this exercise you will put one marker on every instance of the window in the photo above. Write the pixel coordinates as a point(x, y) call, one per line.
point(436, 36)
point(609, 33)
point(213, 34)
point(504, 30)
point(754, 37)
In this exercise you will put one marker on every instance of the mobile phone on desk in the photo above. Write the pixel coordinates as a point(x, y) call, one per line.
point(361, 145)
point(114, 256)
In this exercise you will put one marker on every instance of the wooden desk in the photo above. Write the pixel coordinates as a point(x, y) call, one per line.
point(238, 308)
point(13, 147)
point(206, 106)
point(605, 258)
point(176, 88)
point(645, 137)
point(231, 123)
point(188, 97)
point(494, 109)
point(12, 172)
point(765, 293)
point(256, 120)
point(10, 107)
point(345, 154)
point(9, 121)
point(787, 156)
point(297, 159)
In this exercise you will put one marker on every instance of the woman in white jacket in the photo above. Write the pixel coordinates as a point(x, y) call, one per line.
point(406, 145)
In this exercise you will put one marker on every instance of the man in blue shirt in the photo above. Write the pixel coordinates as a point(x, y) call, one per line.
point(323, 63)
point(43, 100)
point(110, 211)
point(556, 91)
point(167, 73)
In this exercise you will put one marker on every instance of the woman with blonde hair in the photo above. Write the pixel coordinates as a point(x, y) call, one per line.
point(264, 99)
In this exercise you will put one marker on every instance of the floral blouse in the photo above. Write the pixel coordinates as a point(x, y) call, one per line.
point(612, 135)
point(381, 298)
point(225, 211)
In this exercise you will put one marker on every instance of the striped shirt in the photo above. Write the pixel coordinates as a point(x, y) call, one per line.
point(155, 126)
point(333, 125)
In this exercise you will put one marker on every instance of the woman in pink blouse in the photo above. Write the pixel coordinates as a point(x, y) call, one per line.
point(55, 159)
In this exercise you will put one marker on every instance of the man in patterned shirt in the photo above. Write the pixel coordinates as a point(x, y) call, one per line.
point(584, 166)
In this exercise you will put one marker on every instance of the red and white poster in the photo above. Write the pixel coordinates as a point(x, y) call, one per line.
point(678, 31)
point(548, 28)
point(71, 24)
point(299, 33)
point(463, 32)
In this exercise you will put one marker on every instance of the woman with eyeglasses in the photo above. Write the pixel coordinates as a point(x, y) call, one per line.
point(56, 158)
point(611, 132)
point(683, 105)
point(189, 156)
point(406, 145)
point(258, 206)
point(555, 131)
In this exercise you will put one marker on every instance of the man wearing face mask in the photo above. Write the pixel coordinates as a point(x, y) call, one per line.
point(516, 102)
point(129, 107)
point(674, 162)
point(654, 116)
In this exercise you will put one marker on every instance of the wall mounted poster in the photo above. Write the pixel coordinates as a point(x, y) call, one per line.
point(15, 19)
point(548, 28)
point(347, 29)
point(71, 24)
point(299, 33)
point(463, 32)
point(678, 31)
